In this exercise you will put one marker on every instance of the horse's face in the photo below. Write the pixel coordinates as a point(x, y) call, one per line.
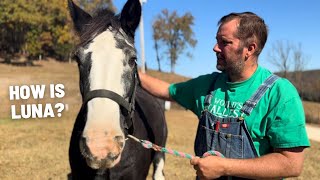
point(106, 59)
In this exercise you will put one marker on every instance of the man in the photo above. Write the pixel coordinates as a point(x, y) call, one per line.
point(251, 116)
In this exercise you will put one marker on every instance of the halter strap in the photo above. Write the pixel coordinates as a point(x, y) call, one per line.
point(129, 106)
point(103, 93)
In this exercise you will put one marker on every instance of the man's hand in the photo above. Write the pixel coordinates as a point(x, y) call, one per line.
point(209, 167)
point(281, 163)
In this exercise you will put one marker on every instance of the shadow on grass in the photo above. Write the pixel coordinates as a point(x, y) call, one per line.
point(21, 63)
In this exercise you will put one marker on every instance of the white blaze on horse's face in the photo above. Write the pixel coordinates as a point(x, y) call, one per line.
point(103, 133)
point(105, 57)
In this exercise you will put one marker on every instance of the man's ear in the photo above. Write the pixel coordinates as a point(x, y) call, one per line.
point(79, 16)
point(252, 48)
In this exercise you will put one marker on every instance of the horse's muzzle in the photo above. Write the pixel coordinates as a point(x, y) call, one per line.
point(101, 151)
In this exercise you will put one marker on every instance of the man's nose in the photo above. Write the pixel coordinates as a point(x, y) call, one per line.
point(216, 48)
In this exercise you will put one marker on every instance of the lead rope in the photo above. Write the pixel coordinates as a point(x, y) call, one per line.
point(148, 145)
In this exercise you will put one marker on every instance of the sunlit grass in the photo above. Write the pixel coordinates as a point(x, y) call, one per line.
point(38, 148)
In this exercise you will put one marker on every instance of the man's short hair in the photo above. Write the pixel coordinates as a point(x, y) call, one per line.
point(251, 27)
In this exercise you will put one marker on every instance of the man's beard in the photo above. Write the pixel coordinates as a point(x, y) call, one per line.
point(233, 68)
point(236, 68)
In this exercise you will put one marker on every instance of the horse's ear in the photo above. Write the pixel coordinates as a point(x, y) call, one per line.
point(78, 15)
point(130, 16)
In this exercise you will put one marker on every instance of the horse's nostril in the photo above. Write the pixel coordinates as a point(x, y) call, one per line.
point(84, 149)
point(119, 140)
point(112, 156)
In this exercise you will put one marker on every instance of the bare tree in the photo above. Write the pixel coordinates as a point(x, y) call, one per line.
point(300, 61)
point(287, 55)
point(280, 56)
point(299, 58)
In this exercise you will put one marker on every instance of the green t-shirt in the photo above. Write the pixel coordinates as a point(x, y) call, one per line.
point(278, 120)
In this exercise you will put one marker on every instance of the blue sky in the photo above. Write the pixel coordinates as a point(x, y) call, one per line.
point(296, 21)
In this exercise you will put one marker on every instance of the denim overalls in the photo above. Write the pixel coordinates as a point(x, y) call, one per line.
point(229, 135)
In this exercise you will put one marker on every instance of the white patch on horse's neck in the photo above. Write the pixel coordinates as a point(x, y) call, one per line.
point(106, 73)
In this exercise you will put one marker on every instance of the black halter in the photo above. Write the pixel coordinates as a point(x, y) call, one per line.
point(127, 107)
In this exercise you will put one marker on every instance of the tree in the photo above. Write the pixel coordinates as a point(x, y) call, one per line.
point(16, 21)
point(175, 33)
point(280, 56)
point(30, 27)
point(93, 5)
point(39, 27)
point(156, 37)
point(300, 60)
point(290, 57)
point(287, 55)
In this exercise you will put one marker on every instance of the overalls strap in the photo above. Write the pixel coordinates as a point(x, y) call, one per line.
point(250, 104)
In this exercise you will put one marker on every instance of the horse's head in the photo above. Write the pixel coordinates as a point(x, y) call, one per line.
point(106, 59)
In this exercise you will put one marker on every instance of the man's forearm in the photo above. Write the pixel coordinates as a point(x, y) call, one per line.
point(155, 86)
point(279, 164)
point(274, 165)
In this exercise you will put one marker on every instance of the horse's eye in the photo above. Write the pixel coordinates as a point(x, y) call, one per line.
point(132, 61)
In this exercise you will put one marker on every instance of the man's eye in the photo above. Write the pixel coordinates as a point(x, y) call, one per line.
point(225, 43)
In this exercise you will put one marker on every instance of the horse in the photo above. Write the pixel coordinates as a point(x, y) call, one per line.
point(113, 103)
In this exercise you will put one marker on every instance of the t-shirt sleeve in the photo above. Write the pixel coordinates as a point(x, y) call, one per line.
point(190, 94)
point(182, 93)
point(288, 127)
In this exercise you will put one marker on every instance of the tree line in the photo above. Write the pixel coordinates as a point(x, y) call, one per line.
point(291, 61)
point(39, 28)
point(42, 28)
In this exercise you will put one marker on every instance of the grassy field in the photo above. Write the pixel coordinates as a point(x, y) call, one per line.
point(38, 148)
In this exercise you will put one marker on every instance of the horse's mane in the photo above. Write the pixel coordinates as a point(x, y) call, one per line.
point(101, 20)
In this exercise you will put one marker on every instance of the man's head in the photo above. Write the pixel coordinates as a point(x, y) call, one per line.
point(251, 28)
point(241, 36)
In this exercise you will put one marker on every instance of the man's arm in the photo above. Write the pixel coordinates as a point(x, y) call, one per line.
point(155, 86)
point(279, 164)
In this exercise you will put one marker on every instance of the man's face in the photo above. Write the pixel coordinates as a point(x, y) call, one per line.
point(230, 52)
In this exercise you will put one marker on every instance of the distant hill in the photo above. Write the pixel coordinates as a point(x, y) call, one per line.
point(309, 75)
point(308, 87)
point(312, 76)
point(307, 83)
point(168, 77)
point(313, 73)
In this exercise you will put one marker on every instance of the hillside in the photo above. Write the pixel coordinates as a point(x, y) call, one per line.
point(307, 83)
point(51, 72)
point(309, 90)
point(312, 76)
point(168, 77)
point(43, 72)
point(309, 75)
point(41, 145)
